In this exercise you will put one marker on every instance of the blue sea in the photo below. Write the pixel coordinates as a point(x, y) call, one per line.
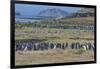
point(27, 18)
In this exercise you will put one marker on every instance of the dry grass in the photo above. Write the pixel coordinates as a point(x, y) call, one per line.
point(61, 35)
point(55, 36)
point(52, 56)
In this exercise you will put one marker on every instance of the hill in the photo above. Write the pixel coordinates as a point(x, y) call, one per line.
point(52, 13)
point(84, 12)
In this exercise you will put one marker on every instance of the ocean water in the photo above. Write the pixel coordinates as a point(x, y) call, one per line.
point(25, 20)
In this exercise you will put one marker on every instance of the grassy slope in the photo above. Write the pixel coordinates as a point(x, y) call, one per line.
point(76, 21)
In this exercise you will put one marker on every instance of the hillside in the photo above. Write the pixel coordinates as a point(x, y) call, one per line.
point(53, 13)
point(84, 12)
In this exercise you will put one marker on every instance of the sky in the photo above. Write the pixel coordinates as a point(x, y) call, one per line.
point(33, 10)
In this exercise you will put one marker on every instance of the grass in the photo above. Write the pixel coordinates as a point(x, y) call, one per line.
point(55, 35)
point(81, 20)
point(53, 56)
